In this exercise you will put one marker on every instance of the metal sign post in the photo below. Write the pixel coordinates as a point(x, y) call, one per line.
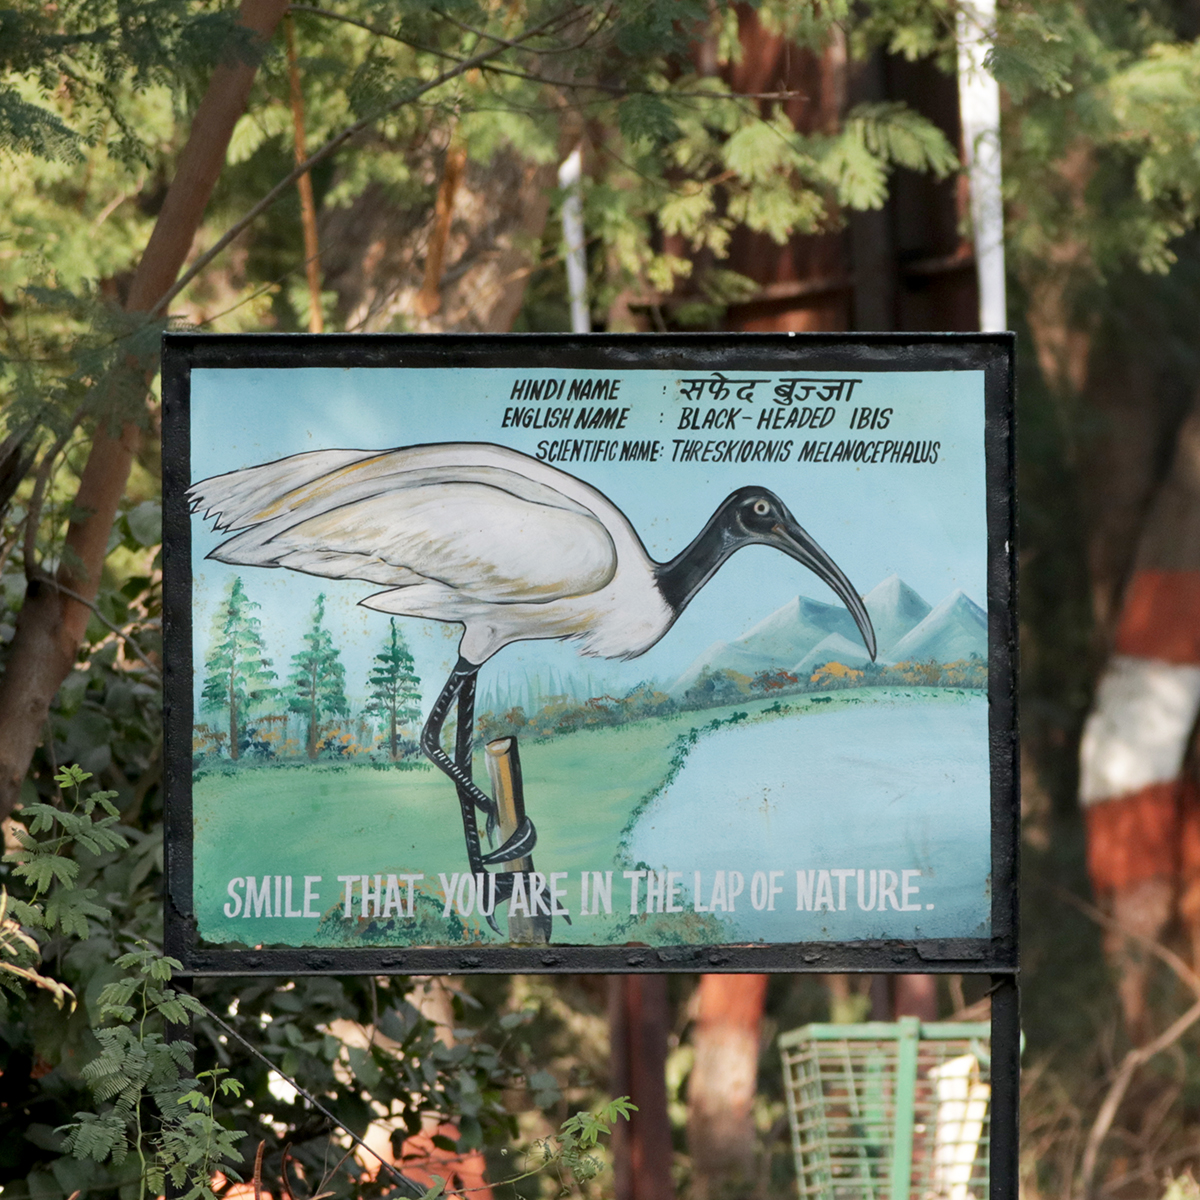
point(590, 653)
point(594, 653)
point(603, 653)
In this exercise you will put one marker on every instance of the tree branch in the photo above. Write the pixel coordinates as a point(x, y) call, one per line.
point(610, 89)
point(329, 14)
point(333, 144)
point(121, 633)
point(1139, 1055)
point(512, 45)
point(1186, 975)
point(33, 518)
point(308, 209)
point(6, 548)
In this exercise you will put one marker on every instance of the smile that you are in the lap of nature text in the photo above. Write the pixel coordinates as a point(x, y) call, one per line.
point(641, 892)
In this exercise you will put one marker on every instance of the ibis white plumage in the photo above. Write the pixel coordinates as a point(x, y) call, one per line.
point(510, 548)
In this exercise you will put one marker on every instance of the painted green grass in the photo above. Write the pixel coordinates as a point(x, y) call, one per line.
point(582, 790)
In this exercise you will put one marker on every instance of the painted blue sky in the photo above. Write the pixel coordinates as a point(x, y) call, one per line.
point(923, 522)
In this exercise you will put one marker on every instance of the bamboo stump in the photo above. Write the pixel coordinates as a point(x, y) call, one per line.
point(504, 770)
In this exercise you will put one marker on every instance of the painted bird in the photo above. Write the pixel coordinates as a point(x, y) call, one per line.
point(510, 548)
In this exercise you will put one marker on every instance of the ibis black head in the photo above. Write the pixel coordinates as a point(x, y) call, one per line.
point(755, 516)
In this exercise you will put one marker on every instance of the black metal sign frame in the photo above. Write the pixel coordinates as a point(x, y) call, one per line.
point(696, 354)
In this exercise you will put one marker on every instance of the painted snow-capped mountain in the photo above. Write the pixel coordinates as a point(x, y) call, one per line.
point(791, 631)
point(895, 609)
point(956, 629)
point(805, 634)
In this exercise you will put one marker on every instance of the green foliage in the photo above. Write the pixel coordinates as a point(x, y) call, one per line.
point(144, 1100)
point(140, 1084)
point(1100, 145)
point(679, 155)
point(20, 957)
point(878, 137)
point(1156, 107)
point(56, 903)
point(646, 117)
point(194, 1144)
point(29, 129)
point(581, 1134)
point(1031, 53)
point(568, 1153)
point(807, 24)
point(571, 1148)
point(93, 54)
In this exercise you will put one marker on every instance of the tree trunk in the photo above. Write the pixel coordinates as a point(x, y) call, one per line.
point(308, 209)
point(429, 298)
point(312, 719)
point(639, 1021)
point(51, 626)
point(375, 258)
point(233, 713)
point(916, 996)
point(1140, 803)
point(721, 1133)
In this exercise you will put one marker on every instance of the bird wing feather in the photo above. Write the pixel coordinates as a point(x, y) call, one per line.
point(408, 518)
point(240, 498)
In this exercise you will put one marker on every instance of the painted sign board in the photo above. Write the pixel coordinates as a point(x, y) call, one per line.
point(590, 653)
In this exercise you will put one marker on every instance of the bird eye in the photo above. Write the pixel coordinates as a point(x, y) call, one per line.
point(761, 508)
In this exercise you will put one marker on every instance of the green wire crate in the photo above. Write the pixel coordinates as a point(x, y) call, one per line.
point(889, 1110)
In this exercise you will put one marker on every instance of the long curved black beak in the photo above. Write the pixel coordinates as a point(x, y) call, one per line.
point(792, 539)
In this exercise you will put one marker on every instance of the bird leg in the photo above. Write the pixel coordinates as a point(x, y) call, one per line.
point(462, 678)
point(464, 737)
point(469, 796)
point(524, 837)
point(463, 748)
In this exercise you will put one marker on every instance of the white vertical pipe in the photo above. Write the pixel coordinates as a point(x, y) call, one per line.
point(979, 106)
point(570, 176)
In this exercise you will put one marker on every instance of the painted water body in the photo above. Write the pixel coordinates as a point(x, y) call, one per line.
point(897, 784)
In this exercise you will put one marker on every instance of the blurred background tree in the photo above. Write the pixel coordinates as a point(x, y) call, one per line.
point(395, 165)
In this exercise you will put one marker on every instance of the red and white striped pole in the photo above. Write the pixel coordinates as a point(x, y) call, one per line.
point(1142, 809)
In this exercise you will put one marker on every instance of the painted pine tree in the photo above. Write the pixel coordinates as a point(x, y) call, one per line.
point(317, 684)
point(395, 687)
point(238, 673)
